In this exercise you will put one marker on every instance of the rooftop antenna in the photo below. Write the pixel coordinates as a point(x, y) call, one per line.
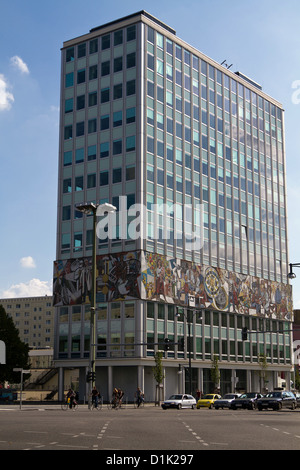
point(226, 65)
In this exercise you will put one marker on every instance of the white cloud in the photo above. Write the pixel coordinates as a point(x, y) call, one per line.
point(19, 64)
point(33, 288)
point(6, 98)
point(27, 262)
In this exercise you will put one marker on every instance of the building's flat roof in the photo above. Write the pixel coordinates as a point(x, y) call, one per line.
point(129, 17)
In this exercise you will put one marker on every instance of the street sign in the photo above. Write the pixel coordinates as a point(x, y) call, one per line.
point(2, 353)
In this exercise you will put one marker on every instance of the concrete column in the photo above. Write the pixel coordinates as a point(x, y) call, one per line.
point(249, 381)
point(109, 382)
point(140, 377)
point(61, 384)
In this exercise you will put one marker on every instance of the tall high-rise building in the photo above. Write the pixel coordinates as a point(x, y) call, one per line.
point(192, 156)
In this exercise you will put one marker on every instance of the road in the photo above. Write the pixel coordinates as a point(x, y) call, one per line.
point(150, 428)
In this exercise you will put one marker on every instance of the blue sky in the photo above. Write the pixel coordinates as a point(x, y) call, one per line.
point(260, 38)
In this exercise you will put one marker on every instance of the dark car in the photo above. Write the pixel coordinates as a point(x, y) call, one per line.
point(246, 401)
point(226, 400)
point(297, 395)
point(277, 400)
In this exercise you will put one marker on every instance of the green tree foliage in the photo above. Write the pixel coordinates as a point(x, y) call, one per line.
point(17, 352)
point(158, 369)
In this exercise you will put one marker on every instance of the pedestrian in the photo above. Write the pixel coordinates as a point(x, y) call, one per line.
point(95, 397)
point(70, 397)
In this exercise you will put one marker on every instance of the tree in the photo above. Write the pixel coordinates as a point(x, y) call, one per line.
point(214, 372)
point(17, 352)
point(262, 360)
point(158, 375)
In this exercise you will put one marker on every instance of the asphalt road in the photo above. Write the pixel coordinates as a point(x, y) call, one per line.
point(149, 428)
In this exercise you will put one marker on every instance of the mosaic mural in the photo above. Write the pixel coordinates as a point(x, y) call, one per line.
point(150, 276)
point(173, 281)
point(117, 279)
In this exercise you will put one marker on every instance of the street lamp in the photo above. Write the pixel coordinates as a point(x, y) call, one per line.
point(291, 274)
point(96, 210)
point(192, 310)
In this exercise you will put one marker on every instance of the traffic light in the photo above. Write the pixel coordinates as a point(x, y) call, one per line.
point(91, 376)
point(167, 345)
point(244, 333)
point(182, 343)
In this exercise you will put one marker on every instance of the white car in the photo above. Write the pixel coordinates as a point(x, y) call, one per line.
point(225, 402)
point(179, 401)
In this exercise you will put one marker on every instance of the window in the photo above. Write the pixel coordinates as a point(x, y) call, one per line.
point(69, 105)
point(93, 72)
point(93, 98)
point(91, 181)
point(66, 213)
point(77, 241)
point(118, 64)
point(130, 60)
point(104, 95)
point(93, 46)
point(79, 183)
point(118, 37)
point(67, 185)
point(105, 43)
point(80, 102)
point(131, 33)
point(117, 119)
point(67, 158)
point(81, 50)
point(92, 152)
point(70, 54)
point(117, 175)
point(104, 149)
point(79, 155)
point(79, 129)
point(103, 178)
point(104, 123)
point(130, 143)
point(118, 91)
point(105, 68)
point(69, 79)
point(117, 147)
point(81, 76)
point(130, 172)
point(130, 87)
point(130, 115)
point(65, 241)
point(92, 126)
point(68, 132)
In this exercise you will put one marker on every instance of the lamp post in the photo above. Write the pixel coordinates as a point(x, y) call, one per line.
point(95, 209)
point(291, 274)
point(191, 311)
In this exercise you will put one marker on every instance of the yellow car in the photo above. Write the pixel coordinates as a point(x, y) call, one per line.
point(208, 400)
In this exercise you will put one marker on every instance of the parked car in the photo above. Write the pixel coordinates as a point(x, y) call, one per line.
point(277, 400)
point(246, 401)
point(225, 402)
point(208, 400)
point(297, 395)
point(179, 401)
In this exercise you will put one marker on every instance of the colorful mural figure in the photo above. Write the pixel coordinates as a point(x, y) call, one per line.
point(151, 276)
point(173, 281)
point(117, 278)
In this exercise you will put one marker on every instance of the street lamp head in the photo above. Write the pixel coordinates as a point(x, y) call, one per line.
point(291, 274)
point(86, 208)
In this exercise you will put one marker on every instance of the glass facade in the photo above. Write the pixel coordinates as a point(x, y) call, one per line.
point(145, 115)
